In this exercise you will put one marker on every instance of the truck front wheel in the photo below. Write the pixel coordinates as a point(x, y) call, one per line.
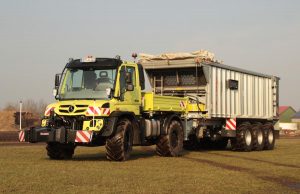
point(172, 143)
point(58, 151)
point(119, 146)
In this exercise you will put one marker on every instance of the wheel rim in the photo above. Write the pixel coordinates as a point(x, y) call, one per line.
point(174, 139)
point(260, 137)
point(270, 136)
point(248, 137)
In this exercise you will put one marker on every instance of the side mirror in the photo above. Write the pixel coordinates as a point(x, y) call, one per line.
point(129, 87)
point(57, 80)
point(128, 77)
point(55, 92)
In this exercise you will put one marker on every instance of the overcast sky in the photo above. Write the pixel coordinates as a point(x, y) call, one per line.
point(38, 37)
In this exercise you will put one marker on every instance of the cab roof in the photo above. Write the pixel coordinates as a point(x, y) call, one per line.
point(99, 62)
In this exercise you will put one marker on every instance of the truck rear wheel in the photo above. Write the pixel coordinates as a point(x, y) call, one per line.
point(58, 151)
point(259, 139)
point(244, 138)
point(119, 146)
point(172, 143)
point(269, 136)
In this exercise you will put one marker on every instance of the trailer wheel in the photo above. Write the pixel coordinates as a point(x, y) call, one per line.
point(119, 146)
point(259, 138)
point(244, 138)
point(172, 143)
point(269, 136)
point(58, 151)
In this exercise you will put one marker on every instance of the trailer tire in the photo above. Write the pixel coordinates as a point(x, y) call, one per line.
point(244, 138)
point(58, 151)
point(259, 137)
point(119, 146)
point(269, 136)
point(171, 144)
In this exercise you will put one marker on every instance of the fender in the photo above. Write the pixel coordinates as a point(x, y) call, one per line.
point(166, 122)
point(112, 122)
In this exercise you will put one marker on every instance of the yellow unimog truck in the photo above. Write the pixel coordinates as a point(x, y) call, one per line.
point(104, 101)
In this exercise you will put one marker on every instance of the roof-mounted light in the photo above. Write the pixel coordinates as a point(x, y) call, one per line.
point(88, 59)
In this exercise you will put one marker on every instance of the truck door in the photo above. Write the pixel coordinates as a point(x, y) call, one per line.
point(131, 99)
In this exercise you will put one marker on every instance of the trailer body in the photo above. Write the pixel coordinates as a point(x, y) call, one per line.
point(226, 91)
point(225, 102)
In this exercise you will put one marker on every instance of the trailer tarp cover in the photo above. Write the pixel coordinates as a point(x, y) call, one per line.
point(203, 54)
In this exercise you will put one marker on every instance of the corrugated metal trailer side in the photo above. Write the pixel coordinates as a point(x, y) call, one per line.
point(238, 104)
point(254, 96)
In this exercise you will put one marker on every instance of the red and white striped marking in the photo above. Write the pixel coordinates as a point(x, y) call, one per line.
point(83, 136)
point(230, 124)
point(105, 111)
point(96, 111)
point(93, 110)
point(182, 104)
point(21, 136)
point(48, 110)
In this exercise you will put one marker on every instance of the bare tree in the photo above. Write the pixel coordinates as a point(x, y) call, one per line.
point(29, 105)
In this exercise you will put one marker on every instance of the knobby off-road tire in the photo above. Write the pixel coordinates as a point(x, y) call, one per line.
point(171, 144)
point(269, 136)
point(258, 137)
point(119, 146)
point(244, 138)
point(58, 151)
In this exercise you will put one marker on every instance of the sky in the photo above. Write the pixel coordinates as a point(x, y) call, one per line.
point(38, 37)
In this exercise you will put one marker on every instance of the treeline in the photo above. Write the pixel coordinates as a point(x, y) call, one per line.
point(35, 107)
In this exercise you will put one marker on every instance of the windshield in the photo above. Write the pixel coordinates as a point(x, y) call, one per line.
point(87, 83)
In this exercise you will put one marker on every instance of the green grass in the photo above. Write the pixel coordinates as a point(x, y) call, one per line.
point(26, 169)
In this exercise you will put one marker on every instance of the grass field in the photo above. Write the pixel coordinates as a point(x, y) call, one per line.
point(26, 169)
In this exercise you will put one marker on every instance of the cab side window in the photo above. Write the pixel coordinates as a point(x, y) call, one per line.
point(132, 71)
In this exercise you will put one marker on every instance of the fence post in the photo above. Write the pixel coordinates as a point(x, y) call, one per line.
point(20, 115)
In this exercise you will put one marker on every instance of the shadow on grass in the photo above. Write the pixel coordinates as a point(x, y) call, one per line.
point(141, 153)
point(135, 154)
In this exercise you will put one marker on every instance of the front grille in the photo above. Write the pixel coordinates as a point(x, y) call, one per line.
point(81, 108)
point(79, 111)
point(64, 106)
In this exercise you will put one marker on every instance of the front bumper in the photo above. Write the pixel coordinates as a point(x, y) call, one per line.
point(61, 135)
